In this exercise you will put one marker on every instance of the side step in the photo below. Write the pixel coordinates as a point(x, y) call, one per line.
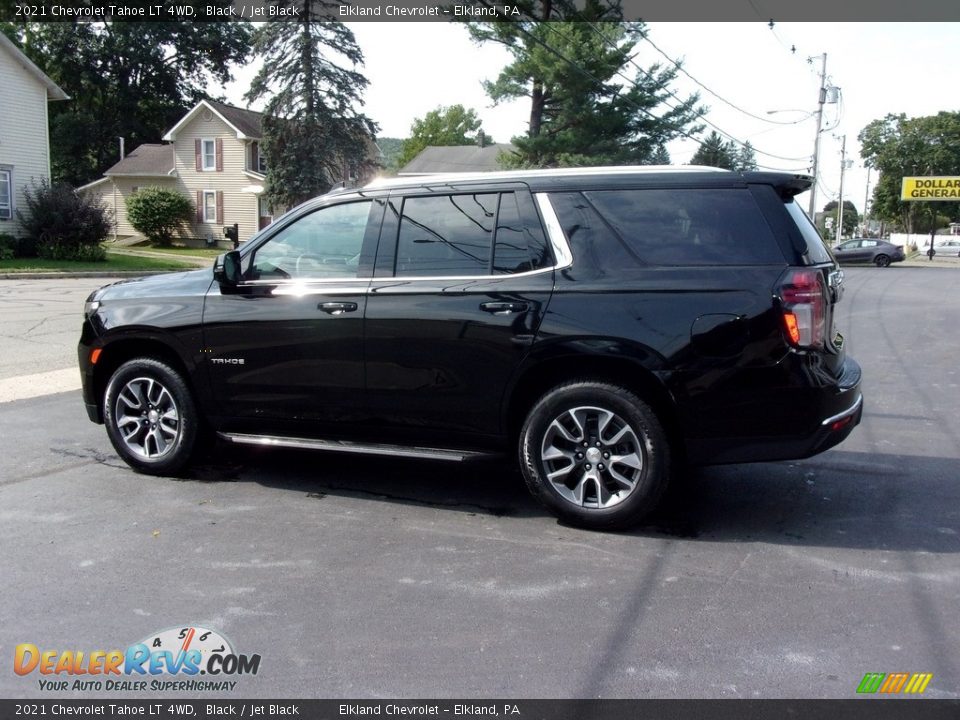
point(345, 446)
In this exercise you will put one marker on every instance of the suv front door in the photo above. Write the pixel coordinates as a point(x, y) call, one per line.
point(286, 344)
point(461, 284)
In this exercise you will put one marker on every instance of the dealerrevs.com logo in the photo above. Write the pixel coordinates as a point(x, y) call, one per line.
point(174, 659)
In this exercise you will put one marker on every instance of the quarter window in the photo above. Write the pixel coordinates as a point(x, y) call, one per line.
point(669, 227)
point(323, 244)
point(6, 195)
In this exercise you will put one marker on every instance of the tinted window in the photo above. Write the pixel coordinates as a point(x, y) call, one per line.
point(689, 226)
point(448, 235)
point(512, 254)
point(816, 251)
point(323, 244)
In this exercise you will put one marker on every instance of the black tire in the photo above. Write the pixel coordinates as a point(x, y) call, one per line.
point(584, 404)
point(151, 418)
point(882, 261)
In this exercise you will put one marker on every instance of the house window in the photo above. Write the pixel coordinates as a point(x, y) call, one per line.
point(209, 206)
point(257, 163)
point(208, 149)
point(6, 195)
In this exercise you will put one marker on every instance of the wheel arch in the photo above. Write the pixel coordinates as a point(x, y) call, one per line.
point(116, 352)
point(629, 372)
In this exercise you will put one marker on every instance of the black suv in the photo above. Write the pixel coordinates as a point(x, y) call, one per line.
point(605, 324)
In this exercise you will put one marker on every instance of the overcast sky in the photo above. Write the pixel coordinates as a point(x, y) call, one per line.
point(880, 68)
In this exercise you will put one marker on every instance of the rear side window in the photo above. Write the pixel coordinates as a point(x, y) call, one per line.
point(468, 235)
point(688, 227)
point(816, 249)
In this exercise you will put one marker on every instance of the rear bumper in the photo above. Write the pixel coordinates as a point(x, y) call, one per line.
point(838, 409)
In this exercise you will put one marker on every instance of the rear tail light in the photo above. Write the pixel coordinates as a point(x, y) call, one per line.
point(803, 301)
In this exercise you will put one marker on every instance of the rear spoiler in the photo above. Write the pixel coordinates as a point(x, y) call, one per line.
point(786, 184)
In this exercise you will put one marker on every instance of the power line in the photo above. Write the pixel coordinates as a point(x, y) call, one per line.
point(703, 118)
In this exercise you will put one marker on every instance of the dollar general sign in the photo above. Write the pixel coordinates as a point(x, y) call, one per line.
point(930, 188)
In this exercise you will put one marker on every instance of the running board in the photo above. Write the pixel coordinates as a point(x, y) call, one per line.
point(345, 446)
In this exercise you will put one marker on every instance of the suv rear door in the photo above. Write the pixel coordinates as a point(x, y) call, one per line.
point(462, 280)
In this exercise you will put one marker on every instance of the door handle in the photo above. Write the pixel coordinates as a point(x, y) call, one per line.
point(337, 308)
point(504, 308)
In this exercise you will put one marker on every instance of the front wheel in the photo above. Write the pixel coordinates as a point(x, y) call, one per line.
point(882, 261)
point(150, 416)
point(595, 454)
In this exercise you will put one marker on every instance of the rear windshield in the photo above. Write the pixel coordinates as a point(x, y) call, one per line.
point(817, 251)
point(679, 227)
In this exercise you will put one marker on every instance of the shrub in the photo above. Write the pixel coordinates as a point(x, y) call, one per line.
point(62, 224)
point(158, 213)
point(8, 246)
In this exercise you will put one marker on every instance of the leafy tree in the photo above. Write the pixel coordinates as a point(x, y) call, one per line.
point(900, 147)
point(391, 148)
point(851, 218)
point(130, 80)
point(443, 126)
point(313, 133)
point(158, 213)
point(63, 224)
point(589, 103)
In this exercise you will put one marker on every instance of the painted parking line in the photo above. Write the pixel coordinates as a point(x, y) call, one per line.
point(39, 384)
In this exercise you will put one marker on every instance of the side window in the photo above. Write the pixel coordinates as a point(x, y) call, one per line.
point(323, 244)
point(6, 195)
point(868, 243)
point(446, 235)
point(688, 227)
point(850, 245)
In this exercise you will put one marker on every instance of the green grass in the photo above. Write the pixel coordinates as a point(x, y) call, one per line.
point(193, 252)
point(114, 262)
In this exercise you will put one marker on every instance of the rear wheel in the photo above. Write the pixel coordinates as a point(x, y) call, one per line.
point(150, 416)
point(595, 454)
point(882, 261)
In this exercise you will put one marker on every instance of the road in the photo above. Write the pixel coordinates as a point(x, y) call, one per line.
point(356, 577)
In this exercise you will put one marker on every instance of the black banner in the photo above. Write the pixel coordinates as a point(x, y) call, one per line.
point(857, 709)
point(467, 10)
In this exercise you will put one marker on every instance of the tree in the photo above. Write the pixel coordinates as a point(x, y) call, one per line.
point(715, 152)
point(129, 80)
point(851, 218)
point(313, 132)
point(746, 158)
point(899, 147)
point(64, 224)
point(589, 103)
point(443, 126)
point(158, 213)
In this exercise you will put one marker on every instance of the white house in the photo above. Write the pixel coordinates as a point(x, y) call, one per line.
point(25, 91)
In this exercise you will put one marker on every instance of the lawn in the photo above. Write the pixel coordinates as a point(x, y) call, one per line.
point(114, 262)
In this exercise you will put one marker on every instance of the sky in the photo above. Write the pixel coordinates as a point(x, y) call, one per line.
point(880, 68)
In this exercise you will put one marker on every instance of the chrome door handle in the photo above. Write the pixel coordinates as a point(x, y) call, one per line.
point(337, 308)
point(504, 308)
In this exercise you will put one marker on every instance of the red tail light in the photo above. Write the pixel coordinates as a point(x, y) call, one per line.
point(803, 304)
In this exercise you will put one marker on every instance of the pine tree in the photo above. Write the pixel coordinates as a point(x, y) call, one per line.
point(716, 152)
point(589, 103)
point(314, 135)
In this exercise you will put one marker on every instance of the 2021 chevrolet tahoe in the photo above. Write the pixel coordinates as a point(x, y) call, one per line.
point(604, 324)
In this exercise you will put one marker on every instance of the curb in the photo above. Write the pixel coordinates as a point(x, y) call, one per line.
point(59, 275)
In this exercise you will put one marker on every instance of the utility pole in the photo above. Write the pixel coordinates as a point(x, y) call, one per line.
point(843, 167)
point(816, 142)
point(866, 199)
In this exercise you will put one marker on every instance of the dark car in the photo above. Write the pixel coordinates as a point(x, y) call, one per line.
point(868, 250)
point(604, 325)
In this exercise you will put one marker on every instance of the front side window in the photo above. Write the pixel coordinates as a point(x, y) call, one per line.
point(209, 206)
point(6, 195)
point(208, 149)
point(324, 244)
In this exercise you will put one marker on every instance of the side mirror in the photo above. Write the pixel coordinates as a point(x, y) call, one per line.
point(226, 269)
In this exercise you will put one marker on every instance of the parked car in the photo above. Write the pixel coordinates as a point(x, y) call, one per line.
point(604, 325)
point(945, 248)
point(869, 250)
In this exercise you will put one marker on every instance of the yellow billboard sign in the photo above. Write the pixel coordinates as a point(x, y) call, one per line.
point(930, 188)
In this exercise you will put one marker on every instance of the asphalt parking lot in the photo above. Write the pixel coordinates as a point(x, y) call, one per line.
point(359, 578)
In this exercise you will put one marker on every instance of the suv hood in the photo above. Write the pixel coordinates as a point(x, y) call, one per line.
point(156, 286)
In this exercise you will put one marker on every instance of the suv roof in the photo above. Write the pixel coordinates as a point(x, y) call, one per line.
point(787, 184)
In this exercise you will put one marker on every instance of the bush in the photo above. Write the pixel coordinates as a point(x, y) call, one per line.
point(62, 224)
point(158, 213)
point(8, 246)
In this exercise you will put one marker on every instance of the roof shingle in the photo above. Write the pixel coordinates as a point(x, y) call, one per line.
point(148, 160)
